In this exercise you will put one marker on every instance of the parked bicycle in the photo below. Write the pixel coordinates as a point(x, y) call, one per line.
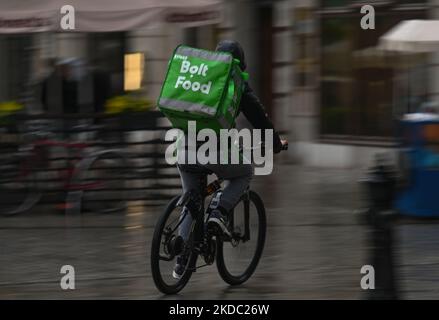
point(96, 178)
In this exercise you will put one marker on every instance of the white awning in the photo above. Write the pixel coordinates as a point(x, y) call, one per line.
point(415, 36)
point(105, 15)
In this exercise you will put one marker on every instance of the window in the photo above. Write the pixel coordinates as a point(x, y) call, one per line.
point(134, 63)
point(201, 37)
point(305, 47)
point(358, 81)
point(106, 51)
point(15, 59)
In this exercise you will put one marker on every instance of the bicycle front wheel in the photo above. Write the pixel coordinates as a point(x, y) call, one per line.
point(19, 190)
point(238, 258)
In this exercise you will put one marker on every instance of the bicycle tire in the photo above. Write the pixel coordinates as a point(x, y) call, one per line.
point(32, 194)
point(155, 253)
point(103, 199)
point(225, 274)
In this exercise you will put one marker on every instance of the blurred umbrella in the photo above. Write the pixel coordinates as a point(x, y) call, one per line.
point(414, 36)
point(410, 38)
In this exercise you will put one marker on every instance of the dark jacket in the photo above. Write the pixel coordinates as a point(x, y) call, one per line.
point(250, 105)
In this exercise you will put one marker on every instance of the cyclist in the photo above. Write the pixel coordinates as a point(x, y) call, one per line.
point(236, 176)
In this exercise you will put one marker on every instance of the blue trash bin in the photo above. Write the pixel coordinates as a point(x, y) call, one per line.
point(421, 144)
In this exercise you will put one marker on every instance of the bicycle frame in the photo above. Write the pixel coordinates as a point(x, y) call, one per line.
point(198, 216)
point(39, 155)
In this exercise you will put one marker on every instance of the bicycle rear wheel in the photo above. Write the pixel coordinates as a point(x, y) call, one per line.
point(167, 246)
point(238, 258)
point(19, 190)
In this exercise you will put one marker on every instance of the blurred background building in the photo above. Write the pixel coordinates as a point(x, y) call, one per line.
point(316, 70)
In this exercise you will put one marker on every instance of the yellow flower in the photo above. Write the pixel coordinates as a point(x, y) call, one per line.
point(9, 107)
point(126, 103)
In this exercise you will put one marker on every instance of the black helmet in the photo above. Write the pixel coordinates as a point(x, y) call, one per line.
point(235, 49)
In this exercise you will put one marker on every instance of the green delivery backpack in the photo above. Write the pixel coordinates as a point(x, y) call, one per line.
point(202, 86)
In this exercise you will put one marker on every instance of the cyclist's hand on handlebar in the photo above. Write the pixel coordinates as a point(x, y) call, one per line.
point(284, 144)
point(278, 147)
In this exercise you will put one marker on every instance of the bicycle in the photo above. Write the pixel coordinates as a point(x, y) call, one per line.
point(167, 243)
point(25, 175)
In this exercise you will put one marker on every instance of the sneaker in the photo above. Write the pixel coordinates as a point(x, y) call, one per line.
point(179, 268)
point(217, 223)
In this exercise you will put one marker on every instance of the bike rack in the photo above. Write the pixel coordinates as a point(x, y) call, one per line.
point(154, 180)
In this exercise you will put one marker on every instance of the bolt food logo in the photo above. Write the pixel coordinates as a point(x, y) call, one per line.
point(189, 70)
